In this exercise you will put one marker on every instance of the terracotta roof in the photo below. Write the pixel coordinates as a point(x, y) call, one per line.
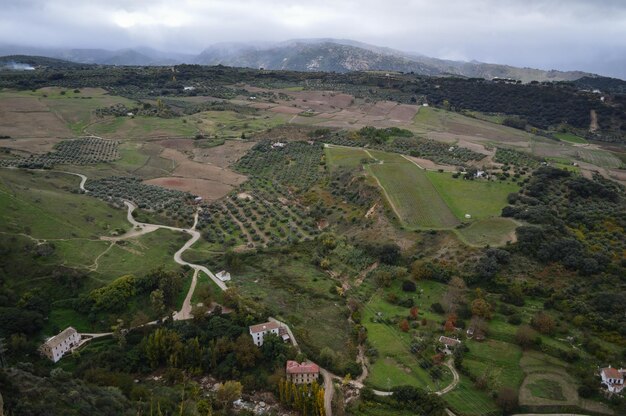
point(611, 372)
point(60, 337)
point(449, 341)
point(294, 367)
point(267, 326)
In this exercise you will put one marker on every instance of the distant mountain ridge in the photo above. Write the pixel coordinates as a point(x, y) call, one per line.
point(338, 55)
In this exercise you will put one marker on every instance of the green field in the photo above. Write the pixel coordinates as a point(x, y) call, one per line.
point(43, 205)
point(229, 124)
point(411, 194)
point(395, 364)
point(493, 231)
point(349, 157)
point(571, 138)
point(479, 198)
point(429, 199)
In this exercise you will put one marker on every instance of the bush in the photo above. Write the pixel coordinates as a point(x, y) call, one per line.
point(409, 286)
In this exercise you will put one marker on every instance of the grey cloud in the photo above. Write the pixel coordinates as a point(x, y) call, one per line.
point(559, 34)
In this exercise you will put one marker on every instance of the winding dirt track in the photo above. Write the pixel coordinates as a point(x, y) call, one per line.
point(141, 228)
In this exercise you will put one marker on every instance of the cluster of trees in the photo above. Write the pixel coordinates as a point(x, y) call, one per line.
point(401, 141)
point(176, 205)
point(162, 286)
point(576, 221)
point(84, 151)
point(259, 217)
point(408, 398)
point(295, 165)
point(308, 399)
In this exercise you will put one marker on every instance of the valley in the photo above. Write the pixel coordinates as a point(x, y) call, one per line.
point(377, 228)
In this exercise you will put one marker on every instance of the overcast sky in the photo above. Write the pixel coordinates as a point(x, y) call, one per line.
point(549, 34)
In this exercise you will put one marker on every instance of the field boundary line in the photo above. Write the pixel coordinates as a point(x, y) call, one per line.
point(393, 207)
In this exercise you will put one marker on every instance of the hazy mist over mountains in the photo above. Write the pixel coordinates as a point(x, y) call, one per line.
point(573, 35)
point(299, 55)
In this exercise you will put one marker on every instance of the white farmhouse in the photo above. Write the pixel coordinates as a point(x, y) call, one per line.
point(613, 379)
point(54, 348)
point(224, 276)
point(258, 331)
point(448, 343)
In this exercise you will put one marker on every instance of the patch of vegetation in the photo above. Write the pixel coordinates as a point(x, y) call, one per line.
point(85, 151)
point(546, 389)
point(176, 205)
point(296, 164)
point(402, 141)
point(516, 158)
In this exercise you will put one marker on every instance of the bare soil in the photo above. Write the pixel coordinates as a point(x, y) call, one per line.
point(209, 190)
point(28, 117)
point(178, 144)
point(224, 155)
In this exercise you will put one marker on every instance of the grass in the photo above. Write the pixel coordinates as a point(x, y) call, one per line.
point(141, 126)
point(571, 138)
point(42, 205)
point(396, 365)
point(292, 288)
point(479, 198)
point(546, 389)
point(501, 358)
point(229, 124)
point(408, 189)
point(492, 231)
point(344, 157)
point(600, 158)
point(467, 400)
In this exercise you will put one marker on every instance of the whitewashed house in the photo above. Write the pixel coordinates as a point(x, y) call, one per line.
point(613, 379)
point(223, 275)
point(57, 346)
point(259, 331)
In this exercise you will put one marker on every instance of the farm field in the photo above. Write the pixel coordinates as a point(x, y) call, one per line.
point(142, 127)
point(548, 384)
point(395, 365)
point(344, 156)
point(412, 196)
point(38, 204)
point(495, 231)
point(52, 112)
point(431, 199)
point(571, 138)
point(600, 158)
point(479, 198)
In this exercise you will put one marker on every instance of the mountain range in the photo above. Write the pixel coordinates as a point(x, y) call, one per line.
point(301, 55)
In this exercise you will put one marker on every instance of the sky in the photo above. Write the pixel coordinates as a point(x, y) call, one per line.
point(585, 35)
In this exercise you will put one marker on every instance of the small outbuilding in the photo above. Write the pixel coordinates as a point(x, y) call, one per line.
point(223, 275)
